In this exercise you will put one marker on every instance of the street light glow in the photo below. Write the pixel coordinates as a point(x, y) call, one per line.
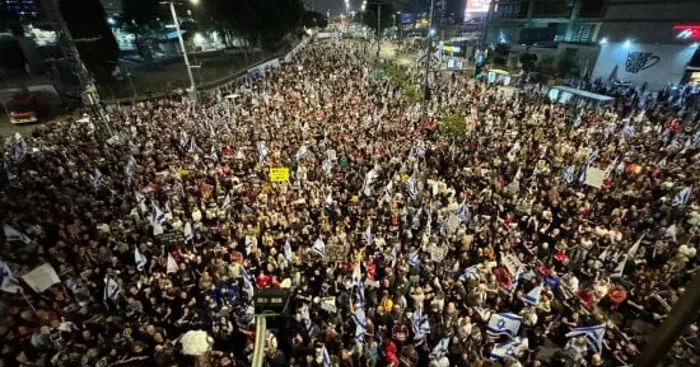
point(603, 41)
point(628, 43)
point(194, 2)
point(111, 21)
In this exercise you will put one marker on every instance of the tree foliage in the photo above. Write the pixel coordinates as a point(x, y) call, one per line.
point(86, 21)
point(313, 19)
point(453, 125)
point(528, 61)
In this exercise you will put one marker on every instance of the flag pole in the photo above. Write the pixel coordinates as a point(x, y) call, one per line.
point(28, 302)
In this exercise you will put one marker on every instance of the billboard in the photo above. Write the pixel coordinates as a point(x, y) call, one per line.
point(476, 7)
point(408, 18)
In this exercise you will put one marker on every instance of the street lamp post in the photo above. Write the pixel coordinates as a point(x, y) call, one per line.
point(427, 60)
point(193, 86)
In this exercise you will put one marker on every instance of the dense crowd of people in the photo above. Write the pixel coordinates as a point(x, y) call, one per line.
point(530, 234)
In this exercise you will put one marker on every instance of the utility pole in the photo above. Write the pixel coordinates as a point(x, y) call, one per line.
point(89, 95)
point(379, 28)
point(426, 87)
point(193, 85)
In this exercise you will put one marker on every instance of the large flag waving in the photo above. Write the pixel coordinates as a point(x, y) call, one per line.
point(14, 235)
point(504, 324)
point(594, 335)
point(682, 197)
point(139, 259)
point(8, 282)
point(420, 327)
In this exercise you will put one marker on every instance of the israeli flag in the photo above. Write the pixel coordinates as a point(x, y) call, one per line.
point(533, 296)
point(112, 289)
point(139, 259)
point(302, 152)
point(360, 324)
point(14, 235)
point(188, 232)
point(319, 247)
point(129, 170)
point(248, 245)
point(329, 201)
point(325, 357)
point(672, 232)
point(248, 288)
point(515, 149)
point(367, 235)
point(157, 219)
point(507, 349)
point(429, 225)
point(412, 187)
point(504, 324)
point(8, 282)
point(592, 157)
point(419, 149)
point(415, 222)
point(214, 155)
point(193, 145)
point(594, 335)
point(184, 139)
point(414, 260)
point(682, 197)
point(420, 327)
point(628, 130)
point(569, 174)
point(469, 273)
point(516, 279)
point(287, 250)
point(462, 211)
point(141, 201)
point(97, 178)
point(584, 175)
point(440, 349)
point(327, 166)
point(262, 151)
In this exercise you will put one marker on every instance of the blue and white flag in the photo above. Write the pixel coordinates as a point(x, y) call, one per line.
point(301, 153)
point(414, 260)
point(112, 289)
point(412, 187)
point(327, 166)
point(469, 273)
point(440, 349)
point(592, 156)
point(141, 201)
point(420, 327)
point(248, 245)
point(418, 149)
point(193, 145)
point(515, 149)
point(533, 296)
point(188, 232)
point(367, 183)
point(214, 155)
point(628, 130)
point(139, 259)
point(157, 219)
point(415, 222)
point(429, 224)
point(184, 139)
point(569, 174)
point(462, 211)
point(262, 151)
point(507, 349)
point(516, 279)
point(287, 250)
point(319, 247)
point(97, 178)
point(594, 335)
point(325, 357)
point(682, 197)
point(584, 175)
point(367, 235)
point(360, 324)
point(504, 324)
point(14, 235)
point(8, 282)
point(248, 288)
point(129, 170)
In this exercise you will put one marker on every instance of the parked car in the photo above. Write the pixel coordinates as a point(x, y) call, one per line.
point(27, 107)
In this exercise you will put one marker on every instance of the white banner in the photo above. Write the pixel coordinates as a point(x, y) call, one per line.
point(595, 177)
point(41, 278)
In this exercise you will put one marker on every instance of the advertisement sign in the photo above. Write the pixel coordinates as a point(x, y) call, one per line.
point(407, 18)
point(477, 7)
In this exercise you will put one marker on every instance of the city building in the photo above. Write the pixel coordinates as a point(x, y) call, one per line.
point(650, 42)
point(112, 7)
point(22, 10)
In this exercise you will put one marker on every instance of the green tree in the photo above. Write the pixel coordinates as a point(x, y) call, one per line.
point(87, 23)
point(453, 125)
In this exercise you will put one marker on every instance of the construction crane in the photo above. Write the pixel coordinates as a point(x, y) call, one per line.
point(89, 95)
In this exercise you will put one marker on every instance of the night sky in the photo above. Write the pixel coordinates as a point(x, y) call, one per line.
point(338, 6)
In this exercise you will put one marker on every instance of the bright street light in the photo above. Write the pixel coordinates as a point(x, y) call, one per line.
point(194, 2)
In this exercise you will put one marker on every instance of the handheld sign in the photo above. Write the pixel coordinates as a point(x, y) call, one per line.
point(336, 253)
point(279, 174)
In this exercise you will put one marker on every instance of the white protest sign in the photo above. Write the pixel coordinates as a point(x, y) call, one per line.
point(512, 263)
point(332, 155)
point(452, 224)
point(437, 254)
point(41, 278)
point(328, 304)
point(595, 177)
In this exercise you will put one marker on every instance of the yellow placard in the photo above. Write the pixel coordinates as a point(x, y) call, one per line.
point(184, 172)
point(355, 198)
point(404, 177)
point(279, 174)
